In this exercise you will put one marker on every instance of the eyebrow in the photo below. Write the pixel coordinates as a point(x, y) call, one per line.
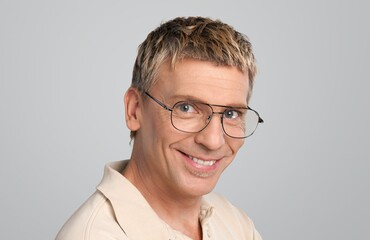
point(181, 97)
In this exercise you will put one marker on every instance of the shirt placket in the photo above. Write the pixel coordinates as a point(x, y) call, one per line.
point(205, 216)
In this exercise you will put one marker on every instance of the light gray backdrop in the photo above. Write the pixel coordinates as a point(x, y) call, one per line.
point(65, 65)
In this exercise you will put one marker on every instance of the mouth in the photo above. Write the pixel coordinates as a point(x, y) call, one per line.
point(202, 162)
point(200, 166)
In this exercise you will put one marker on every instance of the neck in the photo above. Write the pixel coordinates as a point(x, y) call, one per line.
point(179, 212)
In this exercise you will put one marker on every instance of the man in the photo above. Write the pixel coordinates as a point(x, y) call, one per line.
point(187, 109)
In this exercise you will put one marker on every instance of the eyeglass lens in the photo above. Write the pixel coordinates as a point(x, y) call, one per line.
point(194, 117)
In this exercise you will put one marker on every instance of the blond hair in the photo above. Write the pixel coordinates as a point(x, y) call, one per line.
point(192, 37)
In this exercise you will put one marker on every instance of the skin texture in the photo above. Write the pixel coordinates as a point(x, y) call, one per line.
point(160, 166)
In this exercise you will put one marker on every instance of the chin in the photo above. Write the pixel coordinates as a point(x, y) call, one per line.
point(201, 186)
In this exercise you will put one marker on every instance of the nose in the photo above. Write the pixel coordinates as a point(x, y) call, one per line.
point(212, 137)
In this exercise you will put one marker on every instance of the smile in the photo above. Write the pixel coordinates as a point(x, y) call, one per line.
point(202, 162)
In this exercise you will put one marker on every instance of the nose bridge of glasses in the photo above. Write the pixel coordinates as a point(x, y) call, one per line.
point(213, 112)
point(216, 109)
point(211, 108)
point(210, 117)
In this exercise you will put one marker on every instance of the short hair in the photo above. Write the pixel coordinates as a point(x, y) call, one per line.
point(196, 38)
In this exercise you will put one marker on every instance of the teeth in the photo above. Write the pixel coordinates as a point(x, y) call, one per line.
point(202, 162)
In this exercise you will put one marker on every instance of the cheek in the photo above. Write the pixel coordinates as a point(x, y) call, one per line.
point(157, 123)
point(235, 145)
point(162, 121)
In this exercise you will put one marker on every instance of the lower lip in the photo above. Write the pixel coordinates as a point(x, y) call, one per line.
point(199, 167)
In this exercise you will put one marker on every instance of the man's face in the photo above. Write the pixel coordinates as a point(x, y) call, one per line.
point(189, 164)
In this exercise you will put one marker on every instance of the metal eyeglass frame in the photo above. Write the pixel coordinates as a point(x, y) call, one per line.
point(164, 106)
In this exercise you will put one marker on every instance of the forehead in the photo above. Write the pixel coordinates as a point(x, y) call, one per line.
point(204, 81)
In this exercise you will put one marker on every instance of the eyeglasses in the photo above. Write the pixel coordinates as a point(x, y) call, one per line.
point(193, 117)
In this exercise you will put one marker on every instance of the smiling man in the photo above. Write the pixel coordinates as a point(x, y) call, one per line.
point(188, 113)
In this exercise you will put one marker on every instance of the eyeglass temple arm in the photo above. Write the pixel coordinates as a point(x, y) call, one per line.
point(260, 120)
point(160, 103)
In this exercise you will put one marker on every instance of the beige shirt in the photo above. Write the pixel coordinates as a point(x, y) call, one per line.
point(117, 210)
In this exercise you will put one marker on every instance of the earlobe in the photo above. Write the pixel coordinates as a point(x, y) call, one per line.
point(132, 109)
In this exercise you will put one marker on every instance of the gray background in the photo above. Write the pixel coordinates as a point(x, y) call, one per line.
point(65, 65)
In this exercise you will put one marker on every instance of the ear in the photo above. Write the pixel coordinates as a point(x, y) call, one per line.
point(133, 106)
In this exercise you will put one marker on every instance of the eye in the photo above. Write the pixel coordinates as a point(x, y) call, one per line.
point(186, 107)
point(232, 114)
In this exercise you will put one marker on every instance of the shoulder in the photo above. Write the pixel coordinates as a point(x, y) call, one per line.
point(94, 220)
point(225, 213)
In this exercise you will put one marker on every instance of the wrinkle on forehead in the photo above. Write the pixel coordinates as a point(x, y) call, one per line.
point(204, 81)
